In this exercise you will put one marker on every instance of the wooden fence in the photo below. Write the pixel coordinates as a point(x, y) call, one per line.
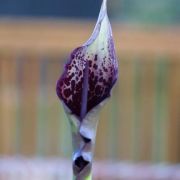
point(140, 123)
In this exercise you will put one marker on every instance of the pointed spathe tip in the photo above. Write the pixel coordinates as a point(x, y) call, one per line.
point(103, 10)
point(104, 4)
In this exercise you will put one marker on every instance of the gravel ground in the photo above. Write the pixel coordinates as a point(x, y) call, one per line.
point(20, 168)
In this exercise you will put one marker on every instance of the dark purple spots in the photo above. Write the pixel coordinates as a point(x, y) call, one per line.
point(80, 73)
point(72, 84)
point(78, 86)
point(98, 89)
point(60, 84)
point(92, 75)
point(91, 84)
point(95, 66)
point(104, 81)
point(77, 98)
point(105, 69)
point(67, 93)
point(76, 68)
point(95, 80)
point(101, 79)
point(66, 81)
point(69, 67)
point(72, 56)
point(106, 90)
point(90, 63)
point(96, 57)
point(110, 79)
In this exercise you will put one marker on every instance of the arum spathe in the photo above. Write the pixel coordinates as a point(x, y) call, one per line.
point(84, 86)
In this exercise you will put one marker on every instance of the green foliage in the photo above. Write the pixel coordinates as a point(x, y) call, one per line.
point(149, 12)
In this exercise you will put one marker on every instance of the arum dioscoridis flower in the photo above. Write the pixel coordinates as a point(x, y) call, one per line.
point(86, 82)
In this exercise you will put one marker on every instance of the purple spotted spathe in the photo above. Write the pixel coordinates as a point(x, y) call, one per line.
point(91, 70)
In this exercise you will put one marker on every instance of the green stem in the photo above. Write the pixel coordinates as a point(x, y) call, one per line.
point(89, 177)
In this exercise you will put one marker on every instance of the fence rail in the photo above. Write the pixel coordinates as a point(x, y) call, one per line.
point(140, 123)
point(54, 169)
point(52, 36)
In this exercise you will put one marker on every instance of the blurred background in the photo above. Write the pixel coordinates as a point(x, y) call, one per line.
point(139, 130)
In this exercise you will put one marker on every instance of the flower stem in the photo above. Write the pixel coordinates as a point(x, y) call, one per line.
point(82, 157)
point(89, 177)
